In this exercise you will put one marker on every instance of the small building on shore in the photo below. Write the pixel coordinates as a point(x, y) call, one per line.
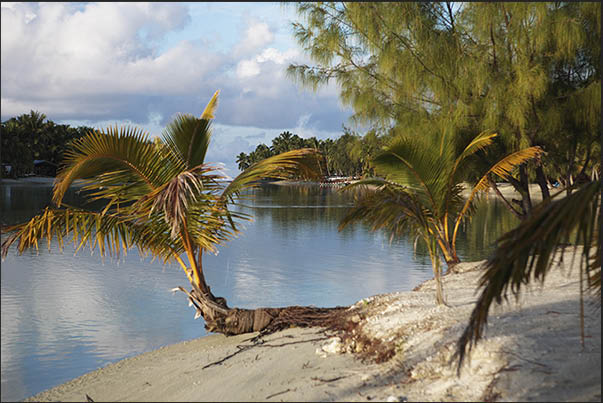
point(44, 168)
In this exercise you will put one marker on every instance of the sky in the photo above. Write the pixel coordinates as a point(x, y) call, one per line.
point(139, 64)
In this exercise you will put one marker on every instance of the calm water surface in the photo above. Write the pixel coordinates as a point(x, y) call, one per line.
point(65, 315)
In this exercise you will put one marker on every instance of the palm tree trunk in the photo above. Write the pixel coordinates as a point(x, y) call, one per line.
point(219, 318)
point(435, 264)
point(232, 321)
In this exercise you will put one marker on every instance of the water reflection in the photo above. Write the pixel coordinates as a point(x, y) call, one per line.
point(63, 316)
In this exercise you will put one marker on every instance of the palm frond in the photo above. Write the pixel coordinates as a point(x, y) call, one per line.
point(124, 152)
point(208, 112)
point(480, 142)
point(302, 163)
point(173, 198)
point(207, 226)
point(111, 233)
point(187, 138)
point(416, 165)
point(390, 207)
point(502, 169)
point(526, 253)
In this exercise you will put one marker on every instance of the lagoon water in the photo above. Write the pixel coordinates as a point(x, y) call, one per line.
point(65, 315)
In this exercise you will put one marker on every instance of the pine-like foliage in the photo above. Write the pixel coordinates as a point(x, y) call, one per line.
point(528, 70)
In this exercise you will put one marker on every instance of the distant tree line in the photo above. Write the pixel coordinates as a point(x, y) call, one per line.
point(31, 137)
point(348, 155)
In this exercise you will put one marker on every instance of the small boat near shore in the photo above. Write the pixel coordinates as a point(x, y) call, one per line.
point(338, 180)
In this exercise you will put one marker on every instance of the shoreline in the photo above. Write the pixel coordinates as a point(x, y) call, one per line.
point(505, 188)
point(35, 180)
point(531, 351)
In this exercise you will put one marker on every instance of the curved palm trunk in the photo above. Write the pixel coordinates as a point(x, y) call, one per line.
point(220, 318)
point(448, 248)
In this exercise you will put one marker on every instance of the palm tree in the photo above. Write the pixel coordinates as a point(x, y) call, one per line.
point(282, 143)
point(163, 198)
point(242, 161)
point(526, 253)
point(422, 191)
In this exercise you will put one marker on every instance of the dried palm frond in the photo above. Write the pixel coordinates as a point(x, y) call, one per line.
point(111, 233)
point(526, 253)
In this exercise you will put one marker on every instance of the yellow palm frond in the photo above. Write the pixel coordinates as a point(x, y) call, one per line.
point(111, 233)
point(208, 112)
point(502, 169)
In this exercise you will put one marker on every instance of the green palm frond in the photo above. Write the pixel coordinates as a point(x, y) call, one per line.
point(302, 163)
point(390, 207)
point(121, 155)
point(207, 226)
point(479, 142)
point(419, 166)
point(526, 253)
point(188, 137)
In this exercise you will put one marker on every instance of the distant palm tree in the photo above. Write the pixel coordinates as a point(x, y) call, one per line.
point(242, 161)
point(421, 192)
point(526, 253)
point(162, 197)
point(282, 143)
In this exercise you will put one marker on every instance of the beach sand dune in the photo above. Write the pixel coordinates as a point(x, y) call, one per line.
point(532, 351)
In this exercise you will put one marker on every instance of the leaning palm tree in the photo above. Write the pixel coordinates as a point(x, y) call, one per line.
point(163, 198)
point(421, 191)
point(526, 254)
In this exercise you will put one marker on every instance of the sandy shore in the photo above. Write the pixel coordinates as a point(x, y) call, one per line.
point(506, 189)
point(532, 352)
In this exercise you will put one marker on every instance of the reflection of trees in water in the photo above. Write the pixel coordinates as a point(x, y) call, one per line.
point(478, 236)
point(294, 208)
point(19, 203)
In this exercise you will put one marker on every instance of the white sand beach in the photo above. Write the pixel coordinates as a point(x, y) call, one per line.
point(532, 351)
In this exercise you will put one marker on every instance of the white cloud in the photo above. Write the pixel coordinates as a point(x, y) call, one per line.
point(66, 52)
point(256, 36)
point(139, 64)
point(247, 68)
point(251, 67)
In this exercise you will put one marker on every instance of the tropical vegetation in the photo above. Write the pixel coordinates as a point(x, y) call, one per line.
point(163, 198)
point(348, 155)
point(31, 137)
point(528, 70)
point(421, 191)
point(426, 77)
point(527, 254)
